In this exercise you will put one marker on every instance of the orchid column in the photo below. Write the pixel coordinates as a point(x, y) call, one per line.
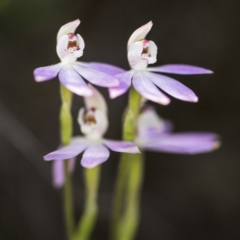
point(143, 85)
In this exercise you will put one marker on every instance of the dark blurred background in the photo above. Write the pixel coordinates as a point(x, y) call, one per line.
point(183, 197)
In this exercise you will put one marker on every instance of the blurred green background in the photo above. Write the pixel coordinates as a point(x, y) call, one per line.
point(183, 197)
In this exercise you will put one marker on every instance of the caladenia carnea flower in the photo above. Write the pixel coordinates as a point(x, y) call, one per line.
point(155, 134)
point(93, 123)
point(70, 46)
point(142, 52)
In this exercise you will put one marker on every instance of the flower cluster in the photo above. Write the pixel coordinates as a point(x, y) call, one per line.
point(152, 133)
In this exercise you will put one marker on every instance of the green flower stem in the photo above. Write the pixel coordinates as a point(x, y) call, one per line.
point(129, 222)
point(124, 167)
point(88, 219)
point(66, 133)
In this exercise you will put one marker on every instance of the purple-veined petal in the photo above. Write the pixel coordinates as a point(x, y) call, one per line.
point(125, 83)
point(96, 77)
point(74, 82)
point(172, 87)
point(148, 90)
point(94, 155)
point(103, 67)
point(140, 33)
point(184, 143)
point(68, 28)
point(181, 69)
point(46, 73)
point(122, 146)
point(95, 101)
point(76, 146)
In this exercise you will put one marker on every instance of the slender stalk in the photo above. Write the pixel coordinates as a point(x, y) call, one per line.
point(88, 219)
point(129, 222)
point(66, 133)
point(124, 167)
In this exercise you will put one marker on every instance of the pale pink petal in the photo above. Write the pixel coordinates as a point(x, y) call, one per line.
point(76, 146)
point(95, 101)
point(140, 33)
point(172, 87)
point(58, 173)
point(122, 146)
point(184, 143)
point(46, 73)
point(73, 81)
point(96, 77)
point(125, 83)
point(68, 28)
point(180, 69)
point(103, 67)
point(94, 155)
point(148, 90)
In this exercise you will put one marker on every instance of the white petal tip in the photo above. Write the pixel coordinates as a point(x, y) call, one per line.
point(89, 166)
point(165, 102)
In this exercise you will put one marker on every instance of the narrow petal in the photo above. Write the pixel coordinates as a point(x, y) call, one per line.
point(148, 90)
point(58, 173)
point(95, 101)
point(68, 28)
point(125, 82)
point(73, 81)
point(184, 143)
point(96, 77)
point(172, 87)
point(140, 33)
point(103, 67)
point(94, 155)
point(122, 146)
point(180, 69)
point(76, 146)
point(46, 73)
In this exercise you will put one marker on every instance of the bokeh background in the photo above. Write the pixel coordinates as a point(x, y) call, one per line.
point(183, 197)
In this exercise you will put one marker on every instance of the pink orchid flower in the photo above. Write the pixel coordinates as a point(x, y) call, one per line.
point(142, 52)
point(70, 46)
point(93, 123)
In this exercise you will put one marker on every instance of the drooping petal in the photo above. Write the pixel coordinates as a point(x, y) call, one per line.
point(140, 33)
point(180, 69)
point(94, 155)
point(58, 173)
point(95, 101)
point(68, 28)
point(46, 73)
point(103, 67)
point(148, 90)
point(172, 87)
point(122, 146)
point(96, 77)
point(73, 81)
point(76, 146)
point(184, 143)
point(125, 82)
